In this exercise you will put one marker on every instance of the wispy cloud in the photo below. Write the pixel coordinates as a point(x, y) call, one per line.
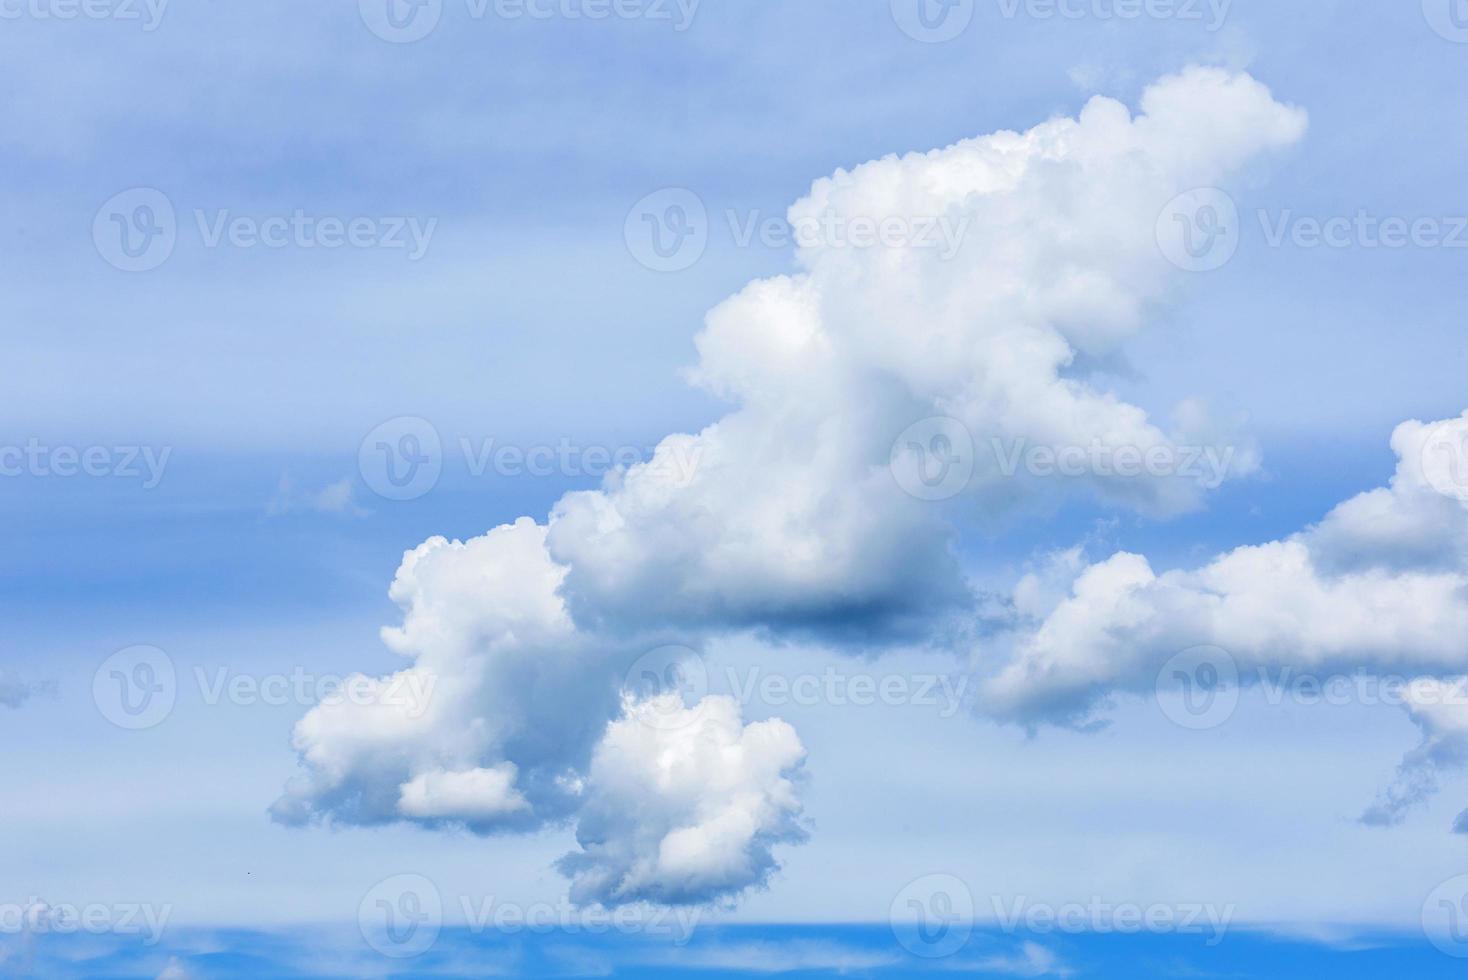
point(336, 499)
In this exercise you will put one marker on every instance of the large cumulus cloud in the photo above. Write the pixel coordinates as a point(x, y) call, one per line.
point(791, 522)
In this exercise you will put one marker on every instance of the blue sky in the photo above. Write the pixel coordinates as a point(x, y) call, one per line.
point(264, 550)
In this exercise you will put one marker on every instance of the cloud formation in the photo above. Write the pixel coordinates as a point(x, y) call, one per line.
point(1440, 710)
point(800, 520)
point(1379, 587)
point(682, 803)
point(15, 692)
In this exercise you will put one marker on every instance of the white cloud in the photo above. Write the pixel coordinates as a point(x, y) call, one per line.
point(175, 970)
point(1031, 960)
point(1379, 587)
point(1440, 709)
point(15, 692)
point(474, 795)
point(338, 499)
point(792, 523)
point(683, 803)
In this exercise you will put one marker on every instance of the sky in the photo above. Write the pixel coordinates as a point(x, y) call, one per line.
point(340, 356)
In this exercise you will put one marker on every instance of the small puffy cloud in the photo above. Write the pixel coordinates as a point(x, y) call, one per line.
point(684, 803)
